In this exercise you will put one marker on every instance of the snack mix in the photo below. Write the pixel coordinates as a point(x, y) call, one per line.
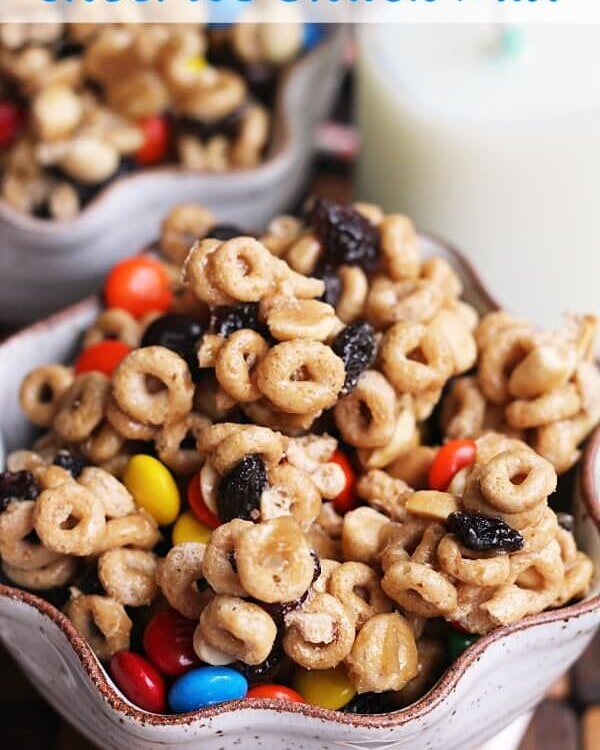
point(298, 466)
point(82, 104)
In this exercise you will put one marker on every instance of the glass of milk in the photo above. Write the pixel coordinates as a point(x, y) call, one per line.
point(495, 150)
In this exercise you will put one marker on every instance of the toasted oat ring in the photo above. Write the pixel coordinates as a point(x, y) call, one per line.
point(366, 417)
point(429, 368)
point(301, 376)
point(132, 392)
point(411, 301)
point(238, 628)
point(58, 508)
point(463, 409)
point(235, 364)
point(115, 497)
point(81, 407)
point(171, 443)
point(291, 492)
point(357, 587)
point(135, 530)
point(197, 273)
point(210, 436)
point(578, 577)
point(320, 634)
point(297, 284)
point(103, 443)
point(102, 621)
point(263, 413)
point(301, 254)
point(540, 533)
point(482, 571)
point(125, 425)
point(182, 227)
point(498, 486)
point(114, 324)
point(220, 552)
point(274, 560)
point(41, 391)
point(23, 460)
point(499, 358)
point(450, 325)
point(16, 523)
point(399, 245)
point(252, 136)
point(253, 440)
point(242, 268)
point(561, 403)
point(52, 575)
point(292, 318)
point(353, 295)
point(420, 589)
point(438, 271)
point(129, 576)
point(214, 95)
point(178, 576)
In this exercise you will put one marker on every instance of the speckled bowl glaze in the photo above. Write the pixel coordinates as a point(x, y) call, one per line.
point(47, 265)
point(503, 676)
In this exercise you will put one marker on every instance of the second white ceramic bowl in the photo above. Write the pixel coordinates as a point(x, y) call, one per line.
point(45, 265)
point(503, 676)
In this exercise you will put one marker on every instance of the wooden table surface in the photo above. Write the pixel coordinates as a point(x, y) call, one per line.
point(569, 718)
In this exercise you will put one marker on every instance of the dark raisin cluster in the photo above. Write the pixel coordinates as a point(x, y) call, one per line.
point(267, 669)
point(347, 238)
point(238, 495)
point(227, 320)
point(67, 461)
point(484, 533)
point(178, 332)
point(370, 703)
point(18, 485)
point(356, 346)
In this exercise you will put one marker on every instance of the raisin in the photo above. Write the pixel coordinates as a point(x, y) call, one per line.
point(267, 669)
point(178, 332)
point(238, 495)
point(224, 232)
point(345, 235)
point(18, 485)
point(356, 346)
point(227, 320)
point(370, 703)
point(333, 287)
point(73, 464)
point(484, 533)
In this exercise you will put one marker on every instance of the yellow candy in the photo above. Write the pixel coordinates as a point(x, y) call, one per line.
point(153, 488)
point(189, 529)
point(196, 64)
point(328, 688)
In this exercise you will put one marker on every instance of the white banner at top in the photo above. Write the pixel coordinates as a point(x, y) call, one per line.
point(319, 11)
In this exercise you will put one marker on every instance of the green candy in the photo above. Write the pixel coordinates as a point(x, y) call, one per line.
point(459, 642)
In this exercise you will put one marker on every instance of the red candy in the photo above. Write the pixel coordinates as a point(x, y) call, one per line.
point(139, 285)
point(168, 643)
point(449, 460)
point(101, 357)
point(139, 681)
point(12, 119)
point(275, 692)
point(347, 499)
point(156, 141)
point(196, 502)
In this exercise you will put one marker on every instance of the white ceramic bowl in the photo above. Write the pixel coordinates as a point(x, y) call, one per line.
point(503, 676)
point(46, 265)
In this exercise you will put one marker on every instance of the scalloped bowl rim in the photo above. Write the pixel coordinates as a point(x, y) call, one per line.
point(277, 153)
point(427, 703)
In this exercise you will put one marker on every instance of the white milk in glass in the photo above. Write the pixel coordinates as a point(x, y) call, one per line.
point(499, 153)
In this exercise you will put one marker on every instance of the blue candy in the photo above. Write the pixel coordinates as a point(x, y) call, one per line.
point(313, 34)
point(206, 686)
